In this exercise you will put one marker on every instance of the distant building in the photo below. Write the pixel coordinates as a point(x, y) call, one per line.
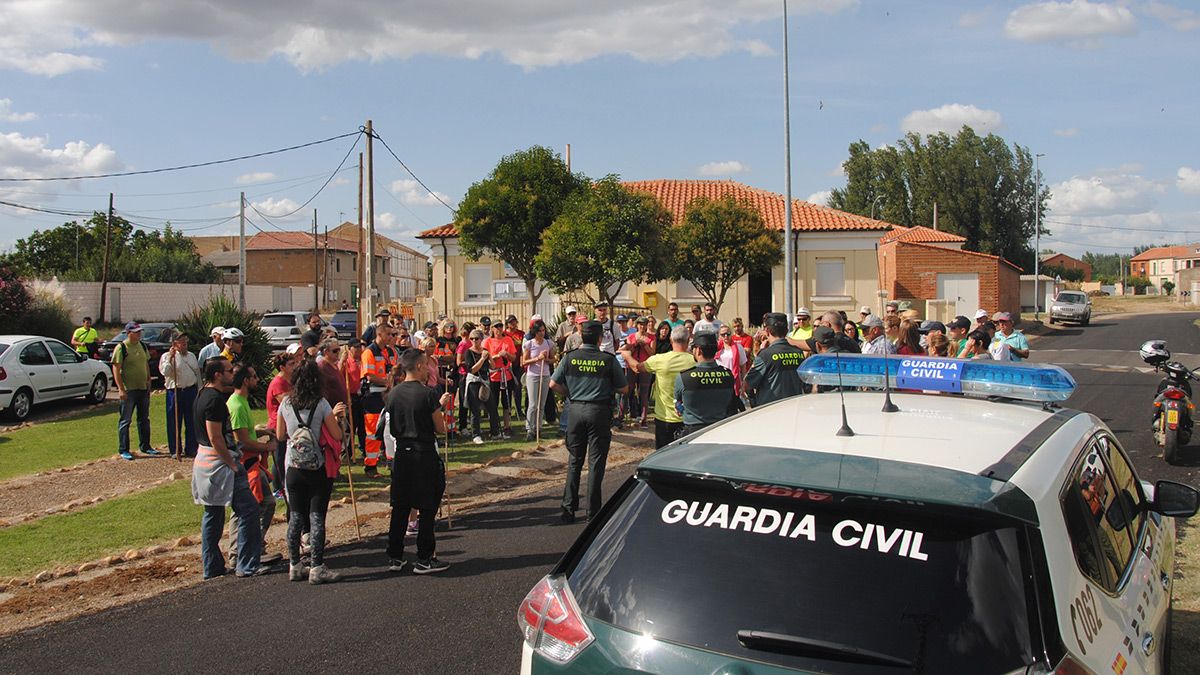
point(1066, 262)
point(1161, 263)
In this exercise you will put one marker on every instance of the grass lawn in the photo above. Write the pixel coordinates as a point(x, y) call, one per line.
point(80, 438)
point(111, 527)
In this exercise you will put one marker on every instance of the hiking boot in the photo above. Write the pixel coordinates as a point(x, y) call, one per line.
point(322, 575)
point(430, 566)
point(397, 564)
point(297, 572)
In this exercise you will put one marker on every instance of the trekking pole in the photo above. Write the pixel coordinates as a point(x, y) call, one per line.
point(541, 410)
point(450, 429)
point(178, 438)
point(349, 477)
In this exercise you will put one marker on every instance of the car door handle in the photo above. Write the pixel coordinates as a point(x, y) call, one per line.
point(1165, 580)
point(65, 370)
point(1148, 643)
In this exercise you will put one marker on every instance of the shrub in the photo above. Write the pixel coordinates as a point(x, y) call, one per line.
point(222, 311)
point(14, 298)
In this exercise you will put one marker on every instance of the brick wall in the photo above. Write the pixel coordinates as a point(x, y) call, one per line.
point(910, 271)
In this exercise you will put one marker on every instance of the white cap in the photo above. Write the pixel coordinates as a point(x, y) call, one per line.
point(981, 314)
point(418, 336)
point(217, 330)
point(535, 317)
point(864, 310)
point(293, 348)
point(571, 310)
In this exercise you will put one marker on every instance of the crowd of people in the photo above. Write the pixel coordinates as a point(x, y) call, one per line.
point(392, 393)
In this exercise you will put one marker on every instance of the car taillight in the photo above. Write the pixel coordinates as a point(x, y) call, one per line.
point(1176, 394)
point(3, 374)
point(551, 622)
point(1069, 666)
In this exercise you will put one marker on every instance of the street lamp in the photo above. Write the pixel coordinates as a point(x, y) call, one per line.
point(1037, 236)
point(873, 203)
point(788, 300)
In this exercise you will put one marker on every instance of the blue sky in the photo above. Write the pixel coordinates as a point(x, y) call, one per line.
point(645, 89)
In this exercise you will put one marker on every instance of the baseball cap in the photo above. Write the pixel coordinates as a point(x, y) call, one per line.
point(872, 321)
point(602, 303)
point(643, 319)
point(419, 335)
point(485, 321)
point(535, 318)
point(960, 322)
point(622, 317)
point(931, 325)
point(511, 318)
point(981, 314)
point(824, 335)
point(383, 312)
point(133, 327)
point(217, 330)
point(293, 348)
point(571, 310)
point(864, 310)
point(580, 319)
point(893, 304)
point(1002, 316)
point(705, 339)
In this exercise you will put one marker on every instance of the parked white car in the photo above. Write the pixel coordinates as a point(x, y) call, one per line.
point(35, 369)
point(1073, 306)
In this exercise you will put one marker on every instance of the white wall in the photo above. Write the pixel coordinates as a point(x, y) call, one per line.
point(154, 301)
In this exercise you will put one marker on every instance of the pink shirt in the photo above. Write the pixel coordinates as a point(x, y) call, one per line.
point(278, 387)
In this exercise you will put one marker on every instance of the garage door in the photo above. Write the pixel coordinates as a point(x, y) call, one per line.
point(962, 290)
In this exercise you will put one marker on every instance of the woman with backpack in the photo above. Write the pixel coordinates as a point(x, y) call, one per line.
point(304, 418)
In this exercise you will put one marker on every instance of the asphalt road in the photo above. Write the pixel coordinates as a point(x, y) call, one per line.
point(464, 619)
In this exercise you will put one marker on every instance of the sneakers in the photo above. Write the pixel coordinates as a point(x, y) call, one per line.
point(478, 440)
point(371, 472)
point(566, 517)
point(430, 566)
point(127, 455)
point(151, 451)
point(270, 558)
point(412, 527)
point(258, 572)
point(297, 572)
point(322, 575)
point(397, 564)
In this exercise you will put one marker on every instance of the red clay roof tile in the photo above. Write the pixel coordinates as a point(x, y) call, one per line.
point(920, 235)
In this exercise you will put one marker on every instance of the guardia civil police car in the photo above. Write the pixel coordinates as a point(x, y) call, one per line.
point(987, 532)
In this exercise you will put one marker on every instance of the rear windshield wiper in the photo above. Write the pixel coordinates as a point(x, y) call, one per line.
point(802, 646)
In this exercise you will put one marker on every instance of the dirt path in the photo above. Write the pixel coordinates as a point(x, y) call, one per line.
point(41, 494)
point(64, 593)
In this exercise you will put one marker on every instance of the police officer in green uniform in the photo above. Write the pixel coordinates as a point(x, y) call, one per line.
point(703, 394)
point(773, 375)
point(589, 378)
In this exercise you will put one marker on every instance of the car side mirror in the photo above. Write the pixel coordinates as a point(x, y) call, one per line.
point(1175, 499)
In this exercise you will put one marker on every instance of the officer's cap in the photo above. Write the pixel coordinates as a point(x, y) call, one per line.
point(591, 331)
point(704, 340)
point(776, 318)
point(824, 335)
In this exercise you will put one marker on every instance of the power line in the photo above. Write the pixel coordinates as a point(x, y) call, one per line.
point(184, 166)
point(1132, 230)
point(319, 190)
point(419, 181)
point(57, 212)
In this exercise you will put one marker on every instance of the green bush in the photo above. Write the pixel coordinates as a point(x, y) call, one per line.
point(222, 311)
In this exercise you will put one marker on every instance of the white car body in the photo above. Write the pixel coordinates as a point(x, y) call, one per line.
point(1071, 306)
point(38, 369)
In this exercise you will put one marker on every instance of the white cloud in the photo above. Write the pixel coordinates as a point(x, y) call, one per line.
point(1105, 194)
point(1179, 19)
point(51, 38)
point(1078, 23)
point(974, 19)
point(388, 224)
point(33, 157)
point(278, 208)
point(7, 114)
point(820, 198)
point(837, 171)
point(1069, 132)
point(1188, 180)
point(256, 177)
point(410, 192)
point(722, 168)
point(950, 118)
point(341, 180)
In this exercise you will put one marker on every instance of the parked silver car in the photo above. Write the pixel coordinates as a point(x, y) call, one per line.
point(1073, 306)
point(35, 369)
point(284, 328)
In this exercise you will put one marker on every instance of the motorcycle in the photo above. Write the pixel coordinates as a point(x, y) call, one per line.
point(1173, 401)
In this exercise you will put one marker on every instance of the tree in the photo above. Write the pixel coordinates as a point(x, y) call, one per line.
point(983, 189)
point(505, 214)
point(606, 237)
point(1167, 287)
point(719, 242)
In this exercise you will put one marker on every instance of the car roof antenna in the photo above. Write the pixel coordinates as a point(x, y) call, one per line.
point(845, 430)
point(888, 406)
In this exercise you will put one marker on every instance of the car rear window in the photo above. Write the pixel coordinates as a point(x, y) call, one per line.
point(694, 565)
point(278, 320)
point(3, 347)
point(343, 317)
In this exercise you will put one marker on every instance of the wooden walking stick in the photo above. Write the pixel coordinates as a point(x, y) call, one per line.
point(450, 430)
point(349, 477)
point(178, 438)
point(541, 410)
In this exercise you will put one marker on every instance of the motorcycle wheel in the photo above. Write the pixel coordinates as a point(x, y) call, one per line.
point(1171, 447)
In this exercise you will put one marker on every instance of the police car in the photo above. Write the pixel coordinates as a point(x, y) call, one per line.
point(984, 532)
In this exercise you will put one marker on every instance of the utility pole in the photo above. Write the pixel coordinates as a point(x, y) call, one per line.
point(362, 323)
point(370, 212)
point(1037, 237)
point(316, 268)
point(242, 253)
point(325, 265)
point(107, 246)
point(788, 297)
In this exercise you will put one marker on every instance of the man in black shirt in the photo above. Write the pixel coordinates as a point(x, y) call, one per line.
point(418, 476)
point(219, 479)
point(703, 394)
point(312, 337)
point(589, 378)
point(773, 375)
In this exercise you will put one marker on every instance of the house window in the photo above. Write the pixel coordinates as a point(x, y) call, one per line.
point(337, 265)
point(354, 264)
point(478, 285)
point(686, 290)
point(831, 277)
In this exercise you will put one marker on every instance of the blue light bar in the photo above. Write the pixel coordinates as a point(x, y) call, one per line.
point(1024, 381)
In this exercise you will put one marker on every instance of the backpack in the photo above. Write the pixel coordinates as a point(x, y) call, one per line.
point(304, 452)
